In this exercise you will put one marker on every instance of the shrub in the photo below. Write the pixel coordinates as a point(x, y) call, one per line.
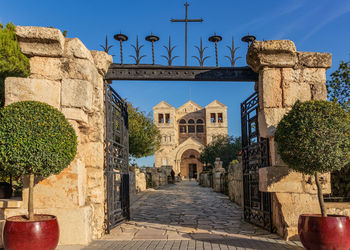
point(12, 61)
point(314, 137)
point(35, 140)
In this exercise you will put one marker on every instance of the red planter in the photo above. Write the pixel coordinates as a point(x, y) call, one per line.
point(31, 235)
point(317, 232)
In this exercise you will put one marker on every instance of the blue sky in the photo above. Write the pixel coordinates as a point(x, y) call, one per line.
point(319, 26)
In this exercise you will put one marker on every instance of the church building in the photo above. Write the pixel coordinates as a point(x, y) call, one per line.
point(185, 131)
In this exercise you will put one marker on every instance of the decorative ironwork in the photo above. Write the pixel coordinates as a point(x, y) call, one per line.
point(116, 159)
point(170, 58)
point(186, 20)
point(121, 38)
point(201, 59)
point(255, 155)
point(215, 39)
point(152, 39)
point(232, 56)
point(106, 47)
point(180, 73)
point(248, 39)
point(137, 49)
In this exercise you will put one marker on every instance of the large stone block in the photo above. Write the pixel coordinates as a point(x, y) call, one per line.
point(294, 87)
point(102, 61)
point(92, 153)
point(286, 208)
point(270, 91)
point(46, 67)
point(60, 190)
point(268, 119)
point(39, 41)
point(76, 114)
point(77, 94)
point(28, 89)
point(316, 78)
point(75, 48)
point(274, 53)
point(315, 60)
point(82, 69)
point(284, 180)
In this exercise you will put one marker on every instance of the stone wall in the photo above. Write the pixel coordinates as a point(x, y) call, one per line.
point(205, 179)
point(66, 75)
point(218, 171)
point(235, 183)
point(285, 76)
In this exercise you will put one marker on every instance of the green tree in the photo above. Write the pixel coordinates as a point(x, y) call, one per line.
point(339, 85)
point(226, 148)
point(12, 61)
point(144, 136)
point(35, 140)
point(313, 138)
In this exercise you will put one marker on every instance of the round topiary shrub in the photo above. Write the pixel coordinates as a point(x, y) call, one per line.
point(35, 140)
point(314, 137)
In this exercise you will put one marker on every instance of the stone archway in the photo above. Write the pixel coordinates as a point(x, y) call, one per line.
point(190, 166)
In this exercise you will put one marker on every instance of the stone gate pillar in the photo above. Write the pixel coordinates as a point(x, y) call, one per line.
point(285, 76)
point(69, 77)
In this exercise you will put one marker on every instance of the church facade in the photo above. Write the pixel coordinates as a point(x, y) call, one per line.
point(185, 131)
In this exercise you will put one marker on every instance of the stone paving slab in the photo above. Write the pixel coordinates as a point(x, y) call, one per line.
point(187, 216)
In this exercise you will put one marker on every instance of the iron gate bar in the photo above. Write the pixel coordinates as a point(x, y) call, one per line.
point(148, 72)
point(255, 155)
point(116, 159)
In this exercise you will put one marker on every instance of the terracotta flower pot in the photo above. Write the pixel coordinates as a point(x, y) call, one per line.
point(42, 234)
point(331, 232)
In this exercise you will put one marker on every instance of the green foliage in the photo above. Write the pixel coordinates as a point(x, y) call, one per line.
point(340, 181)
point(35, 138)
point(314, 137)
point(144, 136)
point(339, 85)
point(224, 147)
point(12, 61)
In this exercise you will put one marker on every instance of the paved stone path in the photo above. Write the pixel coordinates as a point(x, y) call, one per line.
point(187, 216)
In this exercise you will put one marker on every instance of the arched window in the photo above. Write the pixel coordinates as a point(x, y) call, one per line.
point(182, 121)
point(182, 129)
point(200, 128)
point(200, 121)
point(191, 129)
point(190, 121)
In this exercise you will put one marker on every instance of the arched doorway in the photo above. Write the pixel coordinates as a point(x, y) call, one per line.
point(190, 166)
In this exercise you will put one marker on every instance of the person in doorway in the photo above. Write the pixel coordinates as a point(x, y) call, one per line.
point(172, 176)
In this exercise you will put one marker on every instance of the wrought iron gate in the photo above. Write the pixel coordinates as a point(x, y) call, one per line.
point(116, 159)
point(255, 155)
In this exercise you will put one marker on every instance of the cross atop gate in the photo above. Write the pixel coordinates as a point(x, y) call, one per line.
point(186, 20)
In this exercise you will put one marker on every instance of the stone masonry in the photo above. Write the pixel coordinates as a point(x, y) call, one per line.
point(66, 75)
point(285, 76)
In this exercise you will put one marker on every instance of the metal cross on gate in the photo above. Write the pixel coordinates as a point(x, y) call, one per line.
point(186, 20)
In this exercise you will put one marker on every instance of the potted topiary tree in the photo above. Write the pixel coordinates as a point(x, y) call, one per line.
point(314, 138)
point(35, 140)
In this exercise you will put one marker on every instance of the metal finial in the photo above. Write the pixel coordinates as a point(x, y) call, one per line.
point(215, 39)
point(121, 38)
point(137, 49)
point(170, 58)
point(248, 39)
point(233, 51)
point(201, 57)
point(106, 47)
point(152, 38)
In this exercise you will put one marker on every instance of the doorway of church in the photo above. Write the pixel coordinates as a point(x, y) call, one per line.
point(192, 170)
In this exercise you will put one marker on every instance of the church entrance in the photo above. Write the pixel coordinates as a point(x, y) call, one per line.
point(192, 171)
point(190, 166)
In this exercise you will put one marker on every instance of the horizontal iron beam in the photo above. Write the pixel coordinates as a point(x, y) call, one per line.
point(145, 72)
